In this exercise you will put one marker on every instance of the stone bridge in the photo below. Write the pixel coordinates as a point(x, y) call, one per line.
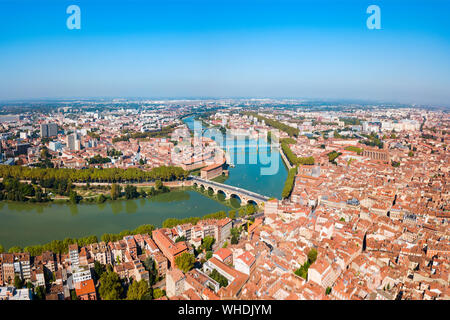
point(230, 191)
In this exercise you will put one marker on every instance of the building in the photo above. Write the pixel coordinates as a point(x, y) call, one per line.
point(73, 142)
point(55, 146)
point(11, 293)
point(212, 171)
point(174, 282)
point(85, 290)
point(170, 249)
point(49, 130)
point(245, 263)
point(7, 268)
point(376, 154)
point(81, 274)
point(321, 273)
point(73, 255)
point(225, 255)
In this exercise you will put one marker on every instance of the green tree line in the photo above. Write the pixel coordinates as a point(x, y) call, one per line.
point(293, 159)
point(164, 132)
point(291, 131)
point(165, 173)
point(289, 183)
point(62, 246)
point(172, 222)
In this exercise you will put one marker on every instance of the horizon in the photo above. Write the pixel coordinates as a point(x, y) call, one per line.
point(226, 50)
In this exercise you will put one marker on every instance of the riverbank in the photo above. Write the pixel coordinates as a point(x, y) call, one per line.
point(26, 224)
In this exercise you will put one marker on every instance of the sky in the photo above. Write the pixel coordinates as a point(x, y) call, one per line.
point(226, 48)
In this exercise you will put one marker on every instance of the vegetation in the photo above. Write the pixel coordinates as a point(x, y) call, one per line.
point(114, 153)
point(163, 133)
point(303, 270)
point(111, 175)
point(180, 239)
point(333, 155)
point(223, 282)
point(395, 164)
point(138, 290)
point(293, 159)
point(150, 266)
point(14, 190)
point(373, 140)
point(143, 229)
point(158, 293)
point(172, 222)
point(99, 269)
point(115, 191)
point(207, 243)
point(98, 159)
point(235, 234)
point(185, 261)
point(354, 149)
point(291, 131)
point(131, 192)
point(350, 121)
point(110, 286)
point(289, 183)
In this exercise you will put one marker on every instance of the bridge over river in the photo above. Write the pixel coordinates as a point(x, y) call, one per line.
point(230, 191)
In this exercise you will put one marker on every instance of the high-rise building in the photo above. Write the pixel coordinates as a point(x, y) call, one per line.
point(73, 142)
point(49, 130)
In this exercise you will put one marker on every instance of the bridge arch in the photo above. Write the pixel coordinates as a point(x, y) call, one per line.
point(211, 191)
point(221, 195)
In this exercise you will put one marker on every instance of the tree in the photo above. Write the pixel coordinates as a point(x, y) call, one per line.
point(328, 291)
point(411, 154)
point(2, 249)
point(18, 283)
point(15, 249)
point(225, 244)
point(115, 191)
point(234, 240)
point(209, 255)
point(223, 282)
point(235, 232)
point(73, 295)
point(179, 239)
point(232, 214)
point(74, 197)
point(158, 184)
point(39, 293)
point(185, 261)
point(250, 209)
point(312, 255)
point(289, 183)
point(131, 192)
point(101, 198)
point(207, 243)
point(242, 212)
point(98, 269)
point(137, 290)
point(158, 293)
point(150, 266)
point(110, 286)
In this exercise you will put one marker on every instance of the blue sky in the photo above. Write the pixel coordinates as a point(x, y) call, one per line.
point(226, 48)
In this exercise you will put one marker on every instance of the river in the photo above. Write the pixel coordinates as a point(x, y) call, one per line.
point(25, 224)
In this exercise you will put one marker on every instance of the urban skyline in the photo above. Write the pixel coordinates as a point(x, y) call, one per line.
point(214, 48)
